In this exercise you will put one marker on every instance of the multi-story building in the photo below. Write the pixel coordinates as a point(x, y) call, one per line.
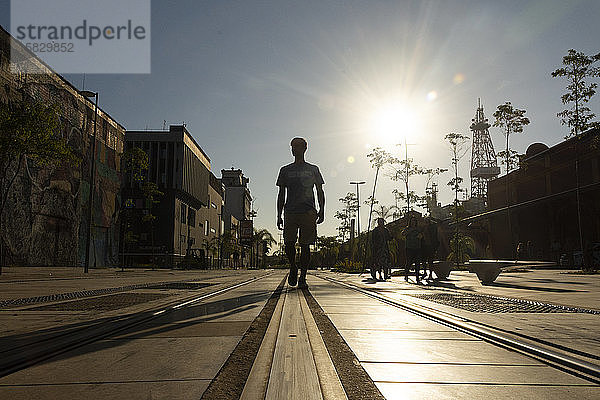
point(551, 203)
point(44, 221)
point(238, 203)
point(238, 200)
point(181, 170)
point(210, 219)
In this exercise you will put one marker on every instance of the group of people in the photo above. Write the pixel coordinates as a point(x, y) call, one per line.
point(297, 183)
point(421, 245)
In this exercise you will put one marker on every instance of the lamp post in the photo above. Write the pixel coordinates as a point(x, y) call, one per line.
point(88, 94)
point(358, 208)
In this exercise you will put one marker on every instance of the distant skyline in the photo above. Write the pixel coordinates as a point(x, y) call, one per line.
point(248, 76)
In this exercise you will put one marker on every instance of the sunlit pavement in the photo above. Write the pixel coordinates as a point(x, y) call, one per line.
point(177, 356)
point(410, 357)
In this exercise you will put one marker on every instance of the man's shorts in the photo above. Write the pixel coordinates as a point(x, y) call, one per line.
point(306, 223)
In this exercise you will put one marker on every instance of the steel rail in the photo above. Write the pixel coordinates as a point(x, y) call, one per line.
point(571, 364)
point(25, 356)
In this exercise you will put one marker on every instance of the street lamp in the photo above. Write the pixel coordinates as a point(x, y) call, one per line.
point(87, 94)
point(358, 202)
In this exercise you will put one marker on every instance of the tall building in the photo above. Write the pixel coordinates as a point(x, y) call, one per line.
point(44, 221)
point(181, 170)
point(238, 200)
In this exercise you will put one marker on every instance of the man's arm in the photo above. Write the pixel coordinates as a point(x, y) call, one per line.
point(321, 198)
point(280, 204)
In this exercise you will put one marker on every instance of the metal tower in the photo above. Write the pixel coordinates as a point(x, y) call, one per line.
point(484, 165)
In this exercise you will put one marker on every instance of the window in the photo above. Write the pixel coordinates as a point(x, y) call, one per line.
point(212, 230)
point(213, 205)
point(192, 217)
point(206, 228)
point(183, 212)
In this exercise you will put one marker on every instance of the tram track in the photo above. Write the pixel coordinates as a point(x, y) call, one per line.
point(26, 355)
point(560, 357)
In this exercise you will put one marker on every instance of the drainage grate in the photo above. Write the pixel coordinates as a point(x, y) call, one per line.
point(94, 292)
point(180, 286)
point(493, 304)
point(104, 303)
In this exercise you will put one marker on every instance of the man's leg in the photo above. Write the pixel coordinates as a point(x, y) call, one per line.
point(290, 252)
point(304, 262)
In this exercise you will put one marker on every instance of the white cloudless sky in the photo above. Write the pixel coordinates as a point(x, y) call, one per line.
point(247, 76)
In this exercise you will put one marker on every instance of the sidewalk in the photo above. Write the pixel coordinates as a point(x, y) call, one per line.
point(25, 282)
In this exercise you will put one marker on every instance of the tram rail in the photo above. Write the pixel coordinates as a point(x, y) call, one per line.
point(26, 355)
point(560, 357)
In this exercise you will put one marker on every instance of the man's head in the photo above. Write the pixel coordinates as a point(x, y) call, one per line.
point(380, 221)
point(299, 146)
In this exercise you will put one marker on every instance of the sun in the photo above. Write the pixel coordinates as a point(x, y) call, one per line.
point(393, 123)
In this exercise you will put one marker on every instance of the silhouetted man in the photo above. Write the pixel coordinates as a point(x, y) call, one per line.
point(297, 182)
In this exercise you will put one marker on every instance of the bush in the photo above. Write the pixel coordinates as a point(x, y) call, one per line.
point(348, 266)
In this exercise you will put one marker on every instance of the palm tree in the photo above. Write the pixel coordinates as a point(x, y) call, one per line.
point(261, 236)
point(385, 212)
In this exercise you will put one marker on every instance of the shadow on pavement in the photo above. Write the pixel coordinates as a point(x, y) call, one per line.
point(536, 288)
point(180, 318)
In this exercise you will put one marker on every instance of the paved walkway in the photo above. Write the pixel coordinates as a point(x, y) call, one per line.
point(406, 356)
point(410, 357)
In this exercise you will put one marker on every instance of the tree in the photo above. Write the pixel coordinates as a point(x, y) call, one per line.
point(135, 167)
point(402, 171)
point(510, 159)
point(577, 67)
point(384, 212)
point(29, 131)
point(457, 143)
point(431, 173)
point(378, 157)
point(329, 249)
point(511, 120)
point(348, 212)
point(262, 236)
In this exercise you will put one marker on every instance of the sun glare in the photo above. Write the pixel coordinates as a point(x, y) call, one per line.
point(393, 123)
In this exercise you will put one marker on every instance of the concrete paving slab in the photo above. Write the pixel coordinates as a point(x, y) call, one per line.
point(181, 389)
point(375, 335)
point(393, 321)
point(202, 329)
point(419, 391)
point(434, 351)
point(132, 360)
point(482, 374)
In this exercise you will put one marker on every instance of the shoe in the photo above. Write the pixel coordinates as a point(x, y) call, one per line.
point(302, 284)
point(293, 276)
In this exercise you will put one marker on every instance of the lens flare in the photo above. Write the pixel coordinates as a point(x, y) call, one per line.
point(431, 96)
point(458, 79)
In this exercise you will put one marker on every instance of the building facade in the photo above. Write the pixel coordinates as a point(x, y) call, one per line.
point(238, 207)
point(181, 170)
point(551, 203)
point(44, 221)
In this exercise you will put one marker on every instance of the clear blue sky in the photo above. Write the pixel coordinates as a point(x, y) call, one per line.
point(247, 76)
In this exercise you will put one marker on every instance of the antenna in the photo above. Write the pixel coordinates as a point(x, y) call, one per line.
point(164, 124)
point(484, 165)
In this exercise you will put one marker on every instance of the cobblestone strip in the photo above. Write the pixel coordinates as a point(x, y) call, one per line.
point(84, 293)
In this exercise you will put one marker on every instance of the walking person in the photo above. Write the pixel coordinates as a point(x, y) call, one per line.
point(429, 246)
point(381, 251)
point(297, 182)
point(412, 239)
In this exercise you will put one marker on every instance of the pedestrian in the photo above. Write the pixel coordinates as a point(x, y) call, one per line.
point(381, 251)
point(412, 241)
point(429, 246)
point(297, 182)
point(520, 251)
